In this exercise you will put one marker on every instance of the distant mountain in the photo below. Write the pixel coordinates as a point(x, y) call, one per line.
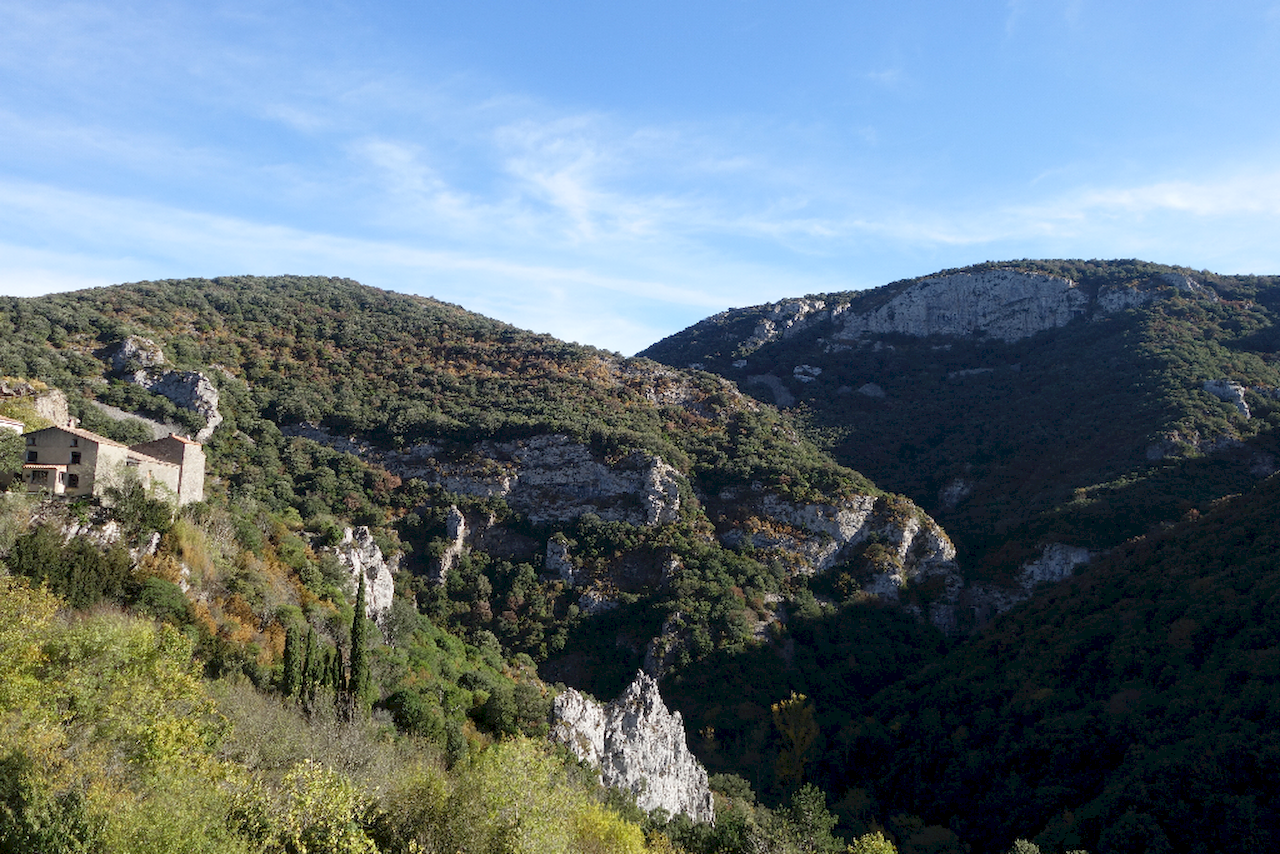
point(1043, 411)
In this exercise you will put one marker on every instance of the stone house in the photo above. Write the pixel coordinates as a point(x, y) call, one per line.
point(71, 461)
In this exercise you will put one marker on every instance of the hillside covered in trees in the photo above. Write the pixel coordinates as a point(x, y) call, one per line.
point(556, 514)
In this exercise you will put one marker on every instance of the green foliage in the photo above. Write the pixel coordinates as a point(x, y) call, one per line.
point(358, 686)
point(138, 512)
point(872, 843)
point(77, 570)
point(12, 446)
point(314, 810)
point(34, 818)
point(1136, 701)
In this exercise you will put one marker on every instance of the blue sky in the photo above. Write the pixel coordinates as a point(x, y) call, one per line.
point(611, 172)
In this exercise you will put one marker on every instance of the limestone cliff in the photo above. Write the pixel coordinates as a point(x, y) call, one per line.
point(1004, 304)
point(142, 362)
point(638, 746)
point(361, 555)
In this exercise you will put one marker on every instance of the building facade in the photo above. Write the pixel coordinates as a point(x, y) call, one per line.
point(71, 461)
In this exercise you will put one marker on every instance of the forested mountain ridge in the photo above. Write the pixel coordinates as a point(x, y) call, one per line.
point(1025, 405)
point(564, 513)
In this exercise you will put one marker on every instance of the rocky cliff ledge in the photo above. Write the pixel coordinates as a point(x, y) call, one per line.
point(1007, 304)
point(141, 361)
point(638, 746)
point(1004, 304)
point(360, 554)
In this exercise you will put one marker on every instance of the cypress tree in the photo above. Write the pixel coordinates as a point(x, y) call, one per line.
point(310, 668)
point(292, 676)
point(358, 687)
point(336, 680)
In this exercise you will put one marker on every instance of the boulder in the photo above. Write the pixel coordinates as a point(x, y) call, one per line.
point(638, 746)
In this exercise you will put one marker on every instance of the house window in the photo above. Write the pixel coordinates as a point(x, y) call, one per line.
point(33, 457)
point(39, 477)
point(75, 441)
point(75, 458)
point(73, 481)
point(31, 440)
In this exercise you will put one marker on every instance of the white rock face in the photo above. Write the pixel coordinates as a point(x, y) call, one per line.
point(191, 390)
point(142, 362)
point(1121, 298)
point(559, 563)
point(1004, 304)
point(136, 355)
point(821, 535)
point(638, 745)
point(52, 405)
point(360, 554)
point(1057, 562)
point(786, 318)
point(1229, 392)
point(456, 532)
point(555, 479)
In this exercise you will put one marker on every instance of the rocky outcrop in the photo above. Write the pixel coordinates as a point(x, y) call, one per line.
point(141, 361)
point(1057, 562)
point(455, 544)
point(786, 318)
point(361, 555)
point(911, 548)
point(191, 390)
point(1004, 304)
point(1229, 392)
point(136, 358)
point(49, 403)
point(638, 746)
point(553, 479)
point(559, 564)
point(816, 537)
point(52, 405)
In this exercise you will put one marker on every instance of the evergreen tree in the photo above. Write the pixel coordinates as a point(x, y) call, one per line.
point(291, 678)
point(310, 669)
point(358, 686)
point(336, 679)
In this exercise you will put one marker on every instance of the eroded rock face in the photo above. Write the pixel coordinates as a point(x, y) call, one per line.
point(1229, 392)
point(456, 537)
point(819, 536)
point(555, 479)
point(786, 318)
point(191, 390)
point(1004, 304)
point(360, 554)
point(638, 745)
point(141, 362)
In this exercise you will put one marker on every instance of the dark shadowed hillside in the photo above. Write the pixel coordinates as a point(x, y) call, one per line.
point(1025, 404)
